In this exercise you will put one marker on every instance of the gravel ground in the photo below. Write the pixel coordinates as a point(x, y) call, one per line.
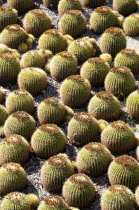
point(33, 166)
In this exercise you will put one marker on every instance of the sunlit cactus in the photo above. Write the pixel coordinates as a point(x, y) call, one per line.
point(132, 105)
point(106, 57)
point(131, 25)
point(125, 7)
point(65, 5)
point(22, 6)
point(33, 200)
point(94, 43)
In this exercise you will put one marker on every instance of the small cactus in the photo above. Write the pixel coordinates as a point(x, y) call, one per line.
point(65, 5)
point(53, 4)
point(132, 105)
point(131, 25)
point(93, 3)
point(106, 57)
point(21, 5)
point(94, 43)
point(3, 115)
point(125, 7)
point(33, 200)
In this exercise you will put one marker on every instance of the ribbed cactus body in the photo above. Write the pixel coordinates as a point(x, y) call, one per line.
point(8, 16)
point(117, 197)
point(12, 178)
point(20, 123)
point(112, 41)
point(118, 137)
point(73, 22)
point(15, 200)
point(78, 95)
point(131, 25)
point(102, 18)
point(36, 22)
point(52, 40)
point(82, 129)
point(95, 71)
point(90, 159)
point(65, 5)
point(9, 68)
point(126, 7)
point(128, 58)
point(15, 149)
point(20, 101)
point(3, 115)
point(63, 65)
point(51, 3)
point(33, 200)
point(55, 171)
point(124, 170)
point(120, 81)
point(22, 6)
point(32, 79)
point(48, 140)
point(93, 3)
point(79, 191)
point(94, 43)
point(105, 106)
point(132, 105)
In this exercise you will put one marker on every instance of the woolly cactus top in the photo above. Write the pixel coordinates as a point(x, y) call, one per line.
point(53, 200)
point(7, 56)
point(96, 60)
point(114, 30)
point(74, 12)
point(135, 15)
point(57, 161)
point(15, 196)
point(52, 32)
point(14, 27)
point(33, 69)
point(83, 117)
point(76, 78)
point(80, 179)
point(5, 8)
point(104, 95)
point(38, 12)
point(122, 70)
point(126, 161)
point(21, 115)
point(51, 100)
point(94, 146)
point(119, 125)
point(128, 52)
point(103, 9)
point(50, 128)
point(13, 139)
point(117, 189)
point(21, 92)
point(11, 167)
point(81, 42)
point(66, 54)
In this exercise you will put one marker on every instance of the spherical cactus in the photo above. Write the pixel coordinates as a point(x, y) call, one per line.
point(112, 41)
point(32, 79)
point(82, 129)
point(12, 178)
point(48, 140)
point(79, 191)
point(51, 110)
point(102, 18)
point(93, 3)
point(73, 22)
point(124, 170)
point(117, 197)
point(33, 200)
point(15, 149)
point(125, 7)
point(65, 5)
point(20, 123)
point(8, 16)
point(3, 115)
point(53, 202)
point(132, 105)
point(53, 4)
point(63, 65)
point(128, 58)
point(78, 95)
point(105, 106)
point(106, 57)
point(95, 71)
point(21, 5)
point(52, 40)
point(36, 22)
point(19, 100)
point(82, 49)
point(55, 171)
point(102, 124)
point(15, 200)
point(9, 68)
point(131, 25)
point(120, 81)
point(94, 43)
point(118, 137)
point(90, 159)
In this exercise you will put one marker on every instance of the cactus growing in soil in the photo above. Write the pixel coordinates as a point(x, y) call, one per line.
point(128, 58)
point(104, 106)
point(93, 3)
point(9, 68)
point(8, 16)
point(131, 25)
point(90, 159)
point(78, 95)
point(53, 202)
point(20, 123)
point(118, 137)
point(55, 171)
point(73, 22)
point(117, 197)
point(15, 149)
point(95, 71)
point(102, 18)
point(120, 81)
point(132, 105)
point(52, 40)
point(33, 200)
point(78, 191)
point(21, 5)
point(48, 140)
point(15, 200)
point(124, 170)
point(63, 65)
point(12, 178)
point(32, 79)
point(65, 5)
point(19, 100)
point(112, 41)
point(3, 115)
point(36, 22)
point(126, 7)
point(53, 4)
point(82, 129)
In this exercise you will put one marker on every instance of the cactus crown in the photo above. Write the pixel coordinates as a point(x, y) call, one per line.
point(11, 167)
point(21, 92)
point(96, 60)
point(122, 70)
point(128, 52)
point(117, 189)
point(15, 196)
point(7, 56)
point(21, 115)
point(53, 200)
point(65, 54)
point(74, 12)
point(104, 95)
point(57, 161)
point(126, 161)
point(114, 30)
point(119, 125)
point(50, 128)
point(76, 78)
point(83, 117)
point(80, 179)
point(5, 8)
point(52, 32)
point(51, 100)
point(135, 15)
point(38, 12)
point(33, 69)
point(14, 27)
point(13, 139)
point(94, 147)
point(103, 9)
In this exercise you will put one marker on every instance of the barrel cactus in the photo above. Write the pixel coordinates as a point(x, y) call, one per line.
point(65, 5)
point(131, 25)
point(3, 115)
point(132, 105)
point(93, 3)
point(33, 200)
point(106, 57)
point(21, 5)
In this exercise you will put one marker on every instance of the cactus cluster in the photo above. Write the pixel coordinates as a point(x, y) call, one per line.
point(22, 6)
point(3, 115)
point(132, 105)
point(93, 3)
point(65, 5)
point(131, 25)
